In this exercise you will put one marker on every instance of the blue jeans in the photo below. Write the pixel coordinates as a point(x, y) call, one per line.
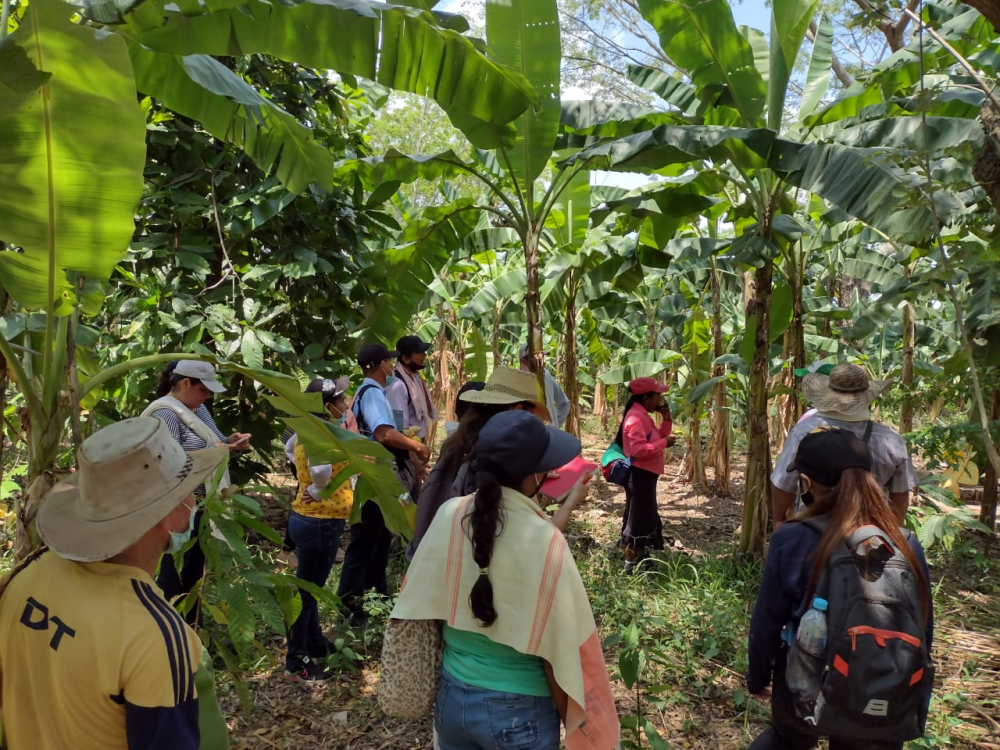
point(472, 718)
point(316, 541)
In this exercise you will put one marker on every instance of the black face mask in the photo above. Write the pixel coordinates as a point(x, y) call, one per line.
point(807, 497)
point(414, 367)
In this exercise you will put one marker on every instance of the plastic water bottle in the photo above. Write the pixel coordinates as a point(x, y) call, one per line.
point(811, 635)
point(804, 675)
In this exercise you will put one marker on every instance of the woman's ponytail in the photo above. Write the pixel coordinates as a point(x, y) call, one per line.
point(166, 383)
point(484, 526)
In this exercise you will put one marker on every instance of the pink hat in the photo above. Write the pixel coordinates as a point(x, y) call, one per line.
point(642, 386)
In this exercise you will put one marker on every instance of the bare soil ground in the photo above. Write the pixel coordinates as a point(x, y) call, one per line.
point(344, 712)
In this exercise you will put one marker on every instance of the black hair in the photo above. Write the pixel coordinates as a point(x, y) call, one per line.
point(485, 522)
point(169, 380)
point(462, 407)
point(632, 400)
point(461, 445)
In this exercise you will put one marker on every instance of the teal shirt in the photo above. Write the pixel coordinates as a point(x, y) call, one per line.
point(474, 659)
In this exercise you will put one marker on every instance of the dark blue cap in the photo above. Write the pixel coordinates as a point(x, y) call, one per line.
point(514, 444)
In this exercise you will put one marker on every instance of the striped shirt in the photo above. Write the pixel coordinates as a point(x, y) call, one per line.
point(891, 464)
point(189, 440)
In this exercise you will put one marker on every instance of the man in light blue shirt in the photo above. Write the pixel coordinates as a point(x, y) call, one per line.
point(367, 554)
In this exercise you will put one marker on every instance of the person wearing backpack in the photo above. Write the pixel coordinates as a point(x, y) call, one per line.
point(367, 555)
point(644, 443)
point(843, 623)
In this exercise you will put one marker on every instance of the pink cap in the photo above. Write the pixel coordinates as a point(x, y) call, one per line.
point(641, 386)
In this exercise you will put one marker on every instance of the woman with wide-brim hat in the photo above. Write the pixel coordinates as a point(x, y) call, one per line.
point(454, 474)
point(645, 443)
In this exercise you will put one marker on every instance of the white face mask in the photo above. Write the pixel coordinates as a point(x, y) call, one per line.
point(179, 538)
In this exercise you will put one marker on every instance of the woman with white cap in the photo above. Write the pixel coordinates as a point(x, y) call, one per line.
point(645, 443)
point(315, 526)
point(521, 649)
point(184, 387)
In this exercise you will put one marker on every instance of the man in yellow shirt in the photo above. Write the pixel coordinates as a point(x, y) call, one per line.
point(92, 655)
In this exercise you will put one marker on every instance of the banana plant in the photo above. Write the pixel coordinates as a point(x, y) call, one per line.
point(71, 167)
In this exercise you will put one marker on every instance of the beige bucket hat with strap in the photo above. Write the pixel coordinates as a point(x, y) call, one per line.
point(130, 475)
point(506, 386)
point(846, 390)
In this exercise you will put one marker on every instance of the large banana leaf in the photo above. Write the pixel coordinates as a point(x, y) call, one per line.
point(71, 157)
point(789, 21)
point(818, 72)
point(613, 119)
point(700, 36)
point(865, 184)
point(676, 144)
point(405, 271)
point(204, 89)
point(402, 48)
point(395, 166)
point(524, 34)
point(670, 88)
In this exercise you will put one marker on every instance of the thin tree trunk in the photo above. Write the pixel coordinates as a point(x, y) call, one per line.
point(757, 491)
point(571, 383)
point(601, 402)
point(988, 505)
point(533, 307)
point(718, 452)
point(909, 338)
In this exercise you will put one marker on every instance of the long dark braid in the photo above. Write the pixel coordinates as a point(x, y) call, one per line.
point(485, 523)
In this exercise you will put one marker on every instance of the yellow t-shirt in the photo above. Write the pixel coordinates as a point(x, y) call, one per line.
point(336, 505)
point(94, 658)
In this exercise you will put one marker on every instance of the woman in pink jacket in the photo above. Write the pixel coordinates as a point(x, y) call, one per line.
point(645, 443)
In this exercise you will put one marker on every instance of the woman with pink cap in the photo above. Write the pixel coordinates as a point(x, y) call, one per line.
point(644, 443)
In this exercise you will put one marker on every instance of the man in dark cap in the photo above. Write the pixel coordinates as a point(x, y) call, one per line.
point(408, 396)
point(368, 552)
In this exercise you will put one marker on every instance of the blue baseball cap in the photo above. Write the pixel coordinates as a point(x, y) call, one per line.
point(514, 444)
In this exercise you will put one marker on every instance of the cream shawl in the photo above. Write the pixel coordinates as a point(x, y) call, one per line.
point(541, 604)
point(193, 423)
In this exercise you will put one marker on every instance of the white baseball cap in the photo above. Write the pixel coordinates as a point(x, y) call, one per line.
point(203, 371)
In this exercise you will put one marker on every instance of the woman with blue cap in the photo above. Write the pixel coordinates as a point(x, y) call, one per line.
point(521, 650)
point(842, 627)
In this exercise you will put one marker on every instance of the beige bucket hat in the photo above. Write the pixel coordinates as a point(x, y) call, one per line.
point(506, 386)
point(130, 475)
point(846, 390)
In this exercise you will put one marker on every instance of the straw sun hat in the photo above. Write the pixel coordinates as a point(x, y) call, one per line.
point(130, 476)
point(506, 386)
point(846, 390)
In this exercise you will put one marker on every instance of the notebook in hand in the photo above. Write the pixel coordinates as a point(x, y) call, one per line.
point(558, 487)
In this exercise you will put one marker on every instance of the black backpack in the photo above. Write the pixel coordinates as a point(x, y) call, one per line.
point(873, 680)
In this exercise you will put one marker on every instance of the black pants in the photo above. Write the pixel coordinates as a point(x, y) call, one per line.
point(785, 735)
point(778, 737)
point(365, 561)
point(316, 541)
point(176, 583)
point(641, 525)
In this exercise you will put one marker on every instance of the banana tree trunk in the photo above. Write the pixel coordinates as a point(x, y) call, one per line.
point(909, 338)
point(757, 491)
point(601, 402)
point(533, 306)
point(718, 451)
point(571, 382)
point(988, 506)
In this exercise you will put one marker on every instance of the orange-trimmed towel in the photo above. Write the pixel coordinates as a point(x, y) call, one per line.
point(542, 606)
